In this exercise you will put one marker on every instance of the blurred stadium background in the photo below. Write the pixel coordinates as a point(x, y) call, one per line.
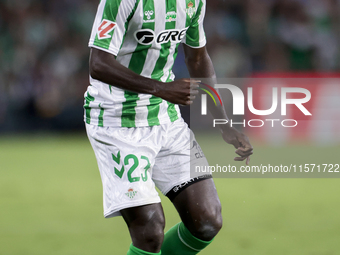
point(50, 192)
point(44, 54)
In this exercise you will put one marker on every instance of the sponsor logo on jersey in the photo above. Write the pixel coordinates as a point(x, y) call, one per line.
point(149, 15)
point(131, 193)
point(105, 29)
point(191, 10)
point(147, 36)
point(170, 16)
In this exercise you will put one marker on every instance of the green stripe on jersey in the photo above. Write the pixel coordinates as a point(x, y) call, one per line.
point(88, 100)
point(171, 6)
point(110, 13)
point(158, 72)
point(139, 55)
point(153, 110)
point(172, 112)
point(131, 98)
point(188, 18)
point(129, 112)
point(136, 64)
point(100, 117)
point(128, 20)
point(192, 34)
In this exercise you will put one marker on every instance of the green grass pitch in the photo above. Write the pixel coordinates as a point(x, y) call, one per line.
point(51, 203)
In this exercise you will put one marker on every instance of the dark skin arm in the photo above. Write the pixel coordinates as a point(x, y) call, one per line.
point(104, 67)
point(199, 65)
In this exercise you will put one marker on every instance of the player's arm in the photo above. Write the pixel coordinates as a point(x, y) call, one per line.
point(199, 65)
point(104, 67)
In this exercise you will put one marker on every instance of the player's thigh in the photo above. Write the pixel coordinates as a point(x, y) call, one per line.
point(144, 219)
point(193, 193)
point(175, 163)
point(124, 159)
point(198, 201)
point(200, 209)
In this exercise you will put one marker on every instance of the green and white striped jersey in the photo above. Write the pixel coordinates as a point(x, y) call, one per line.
point(144, 35)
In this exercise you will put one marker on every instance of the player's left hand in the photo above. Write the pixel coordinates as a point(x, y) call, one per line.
point(240, 142)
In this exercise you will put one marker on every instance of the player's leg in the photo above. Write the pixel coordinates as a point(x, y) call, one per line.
point(125, 157)
point(146, 227)
point(200, 210)
point(194, 197)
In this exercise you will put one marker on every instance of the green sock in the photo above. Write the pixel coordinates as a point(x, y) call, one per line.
point(135, 251)
point(179, 241)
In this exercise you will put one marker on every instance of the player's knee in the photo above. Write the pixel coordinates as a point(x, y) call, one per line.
point(209, 224)
point(149, 234)
point(154, 235)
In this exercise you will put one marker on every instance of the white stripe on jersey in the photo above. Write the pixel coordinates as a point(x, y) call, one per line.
point(97, 21)
point(142, 110)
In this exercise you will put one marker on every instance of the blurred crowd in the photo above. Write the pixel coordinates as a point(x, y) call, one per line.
point(43, 63)
point(44, 54)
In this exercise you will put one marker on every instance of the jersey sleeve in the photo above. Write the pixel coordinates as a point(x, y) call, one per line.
point(110, 24)
point(195, 36)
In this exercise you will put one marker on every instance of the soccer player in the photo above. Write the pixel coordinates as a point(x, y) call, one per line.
point(135, 128)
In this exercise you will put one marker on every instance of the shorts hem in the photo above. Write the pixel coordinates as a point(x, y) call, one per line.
point(116, 210)
point(177, 183)
point(177, 189)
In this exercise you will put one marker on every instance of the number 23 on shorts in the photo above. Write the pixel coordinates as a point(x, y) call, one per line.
point(133, 162)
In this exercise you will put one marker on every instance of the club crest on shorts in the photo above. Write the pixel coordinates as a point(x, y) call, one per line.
point(191, 9)
point(131, 193)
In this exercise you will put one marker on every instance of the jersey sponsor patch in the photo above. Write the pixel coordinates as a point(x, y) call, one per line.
point(171, 16)
point(147, 36)
point(105, 29)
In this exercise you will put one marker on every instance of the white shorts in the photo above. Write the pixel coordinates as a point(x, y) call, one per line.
point(132, 161)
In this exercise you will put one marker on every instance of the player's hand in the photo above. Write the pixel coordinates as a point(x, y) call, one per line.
point(240, 142)
point(183, 91)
